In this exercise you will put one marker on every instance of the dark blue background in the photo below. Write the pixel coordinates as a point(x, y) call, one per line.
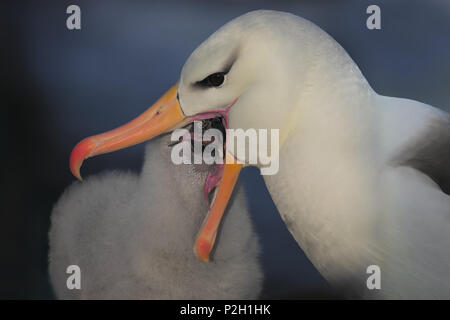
point(62, 86)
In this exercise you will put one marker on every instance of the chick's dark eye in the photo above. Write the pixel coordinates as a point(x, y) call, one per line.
point(213, 80)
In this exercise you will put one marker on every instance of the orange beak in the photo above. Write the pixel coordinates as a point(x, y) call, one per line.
point(163, 116)
point(208, 232)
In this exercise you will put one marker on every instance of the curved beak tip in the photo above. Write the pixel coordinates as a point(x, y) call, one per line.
point(75, 169)
point(164, 115)
point(79, 153)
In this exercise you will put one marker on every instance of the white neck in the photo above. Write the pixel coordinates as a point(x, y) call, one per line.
point(325, 184)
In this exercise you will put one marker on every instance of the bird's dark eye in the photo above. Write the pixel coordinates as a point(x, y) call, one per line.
point(213, 80)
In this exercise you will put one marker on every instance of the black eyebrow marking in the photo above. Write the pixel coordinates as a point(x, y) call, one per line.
point(225, 69)
point(205, 83)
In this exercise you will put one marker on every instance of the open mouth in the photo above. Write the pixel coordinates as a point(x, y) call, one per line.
point(163, 116)
point(217, 119)
point(217, 123)
point(214, 177)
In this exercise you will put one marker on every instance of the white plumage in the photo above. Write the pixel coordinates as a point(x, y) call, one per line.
point(132, 236)
point(364, 179)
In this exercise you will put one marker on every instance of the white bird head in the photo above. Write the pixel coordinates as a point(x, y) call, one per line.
point(251, 64)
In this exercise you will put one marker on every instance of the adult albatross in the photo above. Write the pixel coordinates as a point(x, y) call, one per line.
point(363, 179)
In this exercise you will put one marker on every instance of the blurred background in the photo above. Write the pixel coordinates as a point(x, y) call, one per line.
point(59, 86)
